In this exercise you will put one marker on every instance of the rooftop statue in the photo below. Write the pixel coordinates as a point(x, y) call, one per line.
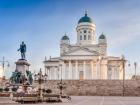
point(22, 50)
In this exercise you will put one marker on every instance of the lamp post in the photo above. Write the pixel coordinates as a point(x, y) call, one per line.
point(61, 80)
point(40, 78)
point(3, 64)
point(135, 65)
point(61, 85)
point(123, 66)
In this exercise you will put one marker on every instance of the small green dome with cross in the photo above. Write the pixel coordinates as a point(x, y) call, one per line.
point(102, 36)
point(65, 37)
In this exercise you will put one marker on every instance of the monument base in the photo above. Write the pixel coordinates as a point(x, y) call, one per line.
point(22, 74)
point(22, 66)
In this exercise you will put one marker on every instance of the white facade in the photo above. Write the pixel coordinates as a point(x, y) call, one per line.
point(86, 59)
point(1, 72)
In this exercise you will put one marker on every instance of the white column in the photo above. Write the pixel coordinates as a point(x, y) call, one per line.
point(92, 71)
point(56, 73)
point(64, 71)
point(84, 69)
point(50, 73)
point(76, 70)
point(99, 70)
point(53, 72)
point(95, 70)
point(70, 70)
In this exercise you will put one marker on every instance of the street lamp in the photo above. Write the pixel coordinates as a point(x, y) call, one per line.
point(40, 78)
point(61, 85)
point(3, 64)
point(123, 66)
point(135, 65)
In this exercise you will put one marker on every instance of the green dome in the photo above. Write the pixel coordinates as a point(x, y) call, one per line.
point(65, 37)
point(102, 36)
point(85, 19)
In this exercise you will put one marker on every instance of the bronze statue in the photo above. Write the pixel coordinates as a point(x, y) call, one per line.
point(22, 49)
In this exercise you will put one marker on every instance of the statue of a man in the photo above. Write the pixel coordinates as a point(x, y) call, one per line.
point(22, 49)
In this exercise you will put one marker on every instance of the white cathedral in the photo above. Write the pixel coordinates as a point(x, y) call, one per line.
point(86, 59)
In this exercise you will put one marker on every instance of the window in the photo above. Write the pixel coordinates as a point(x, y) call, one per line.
point(80, 37)
point(84, 37)
point(89, 37)
point(85, 31)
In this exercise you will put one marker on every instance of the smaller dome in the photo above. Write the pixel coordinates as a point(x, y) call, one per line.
point(102, 36)
point(65, 37)
point(85, 19)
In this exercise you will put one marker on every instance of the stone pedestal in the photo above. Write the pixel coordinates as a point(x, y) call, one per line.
point(22, 66)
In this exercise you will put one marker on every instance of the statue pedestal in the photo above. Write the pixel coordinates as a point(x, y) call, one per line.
point(22, 66)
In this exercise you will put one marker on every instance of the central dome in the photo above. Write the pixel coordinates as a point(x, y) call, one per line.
point(85, 19)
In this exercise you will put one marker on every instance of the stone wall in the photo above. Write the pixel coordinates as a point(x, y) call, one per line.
point(97, 87)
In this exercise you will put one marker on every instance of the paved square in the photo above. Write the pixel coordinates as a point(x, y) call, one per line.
point(98, 100)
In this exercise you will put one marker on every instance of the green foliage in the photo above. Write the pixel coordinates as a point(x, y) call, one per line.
point(44, 90)
point(48, 91)
point(14, 89)
point(1, 89)
point(6, 89)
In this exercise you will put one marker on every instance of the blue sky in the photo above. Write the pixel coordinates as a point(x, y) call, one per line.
point(42, 23)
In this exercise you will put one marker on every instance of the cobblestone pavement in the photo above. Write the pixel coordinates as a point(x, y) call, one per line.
point(99, 100)
point(95, 100)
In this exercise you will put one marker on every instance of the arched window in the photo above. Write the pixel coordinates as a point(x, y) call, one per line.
point(80, 37)
point(85, 37)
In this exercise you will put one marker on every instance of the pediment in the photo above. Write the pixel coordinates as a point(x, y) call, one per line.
point(81, 51)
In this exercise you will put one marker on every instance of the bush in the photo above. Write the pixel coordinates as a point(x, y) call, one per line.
point(14, 89)
point(6, 89)
point(1, 89)
point(48, 91)
point(44, 90)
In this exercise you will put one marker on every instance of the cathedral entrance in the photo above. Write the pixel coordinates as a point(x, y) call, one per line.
point(81, 75)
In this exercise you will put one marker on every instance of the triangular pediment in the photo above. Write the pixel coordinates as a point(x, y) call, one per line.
point(81, 51)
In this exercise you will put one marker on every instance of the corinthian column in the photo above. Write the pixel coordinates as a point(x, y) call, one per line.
point(84, 66)
point(76, 70)
point(92, 71)
point(64, 70)
point(70, 70)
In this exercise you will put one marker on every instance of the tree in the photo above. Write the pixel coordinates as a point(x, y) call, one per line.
point(6, 89)
point(1, 89)
point(48, 91)
point(14, 89)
